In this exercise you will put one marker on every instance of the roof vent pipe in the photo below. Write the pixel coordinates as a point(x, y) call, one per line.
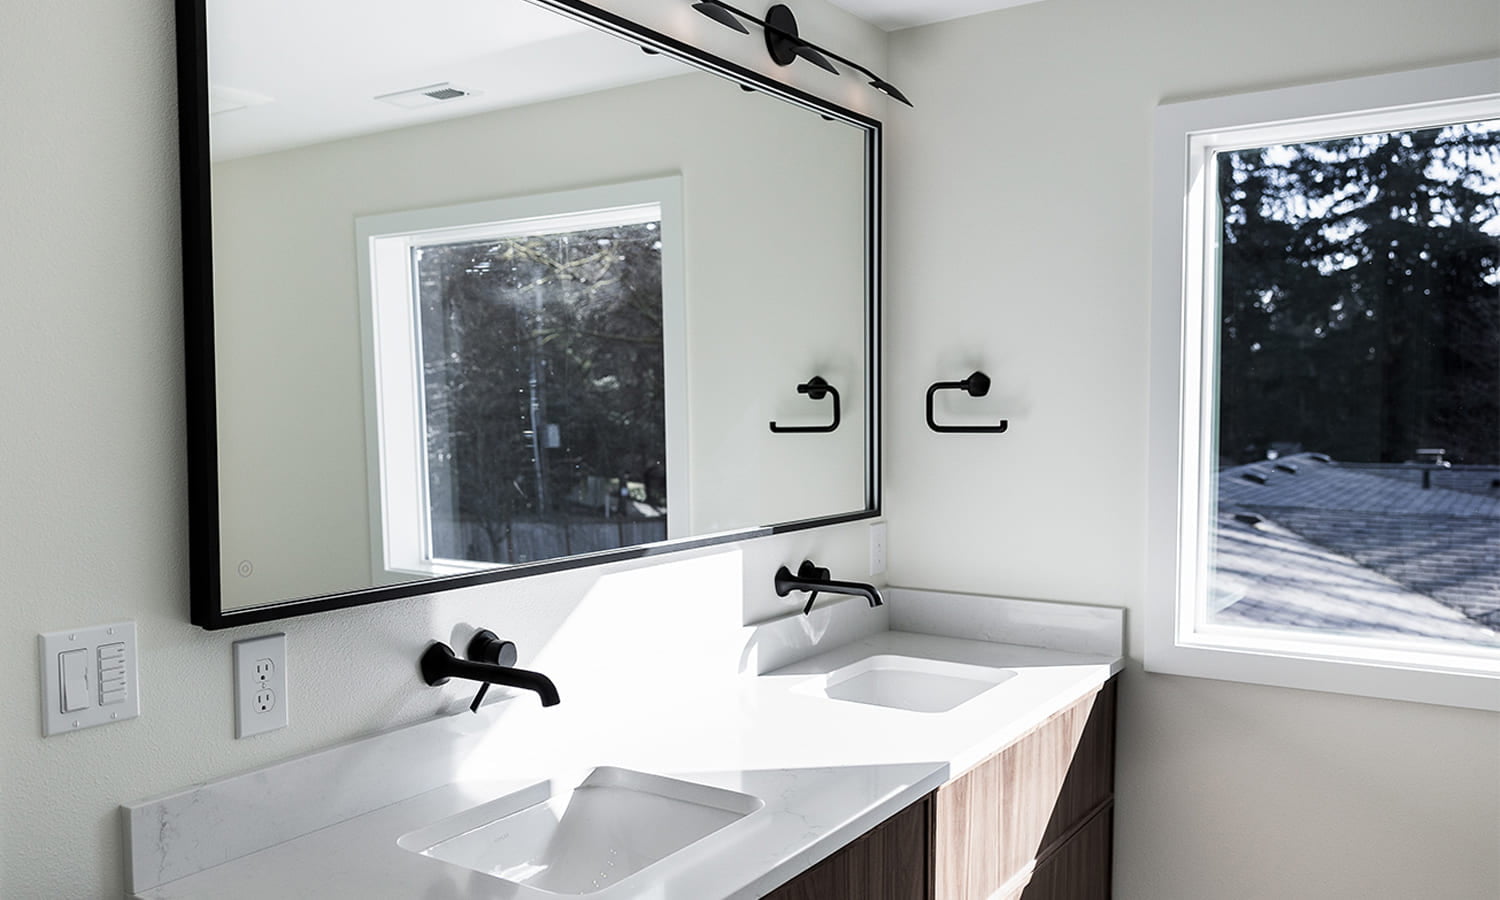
point(1430, 458)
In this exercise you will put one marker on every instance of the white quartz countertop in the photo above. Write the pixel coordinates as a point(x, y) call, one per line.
point(826, 770)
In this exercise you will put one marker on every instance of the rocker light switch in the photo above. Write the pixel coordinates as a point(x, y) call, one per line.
point(88, 677)
point(75, 680)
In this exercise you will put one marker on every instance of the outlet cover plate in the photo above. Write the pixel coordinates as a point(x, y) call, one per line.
point(877, 548)
point(260, 700)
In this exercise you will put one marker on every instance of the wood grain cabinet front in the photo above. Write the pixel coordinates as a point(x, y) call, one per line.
point(1075, 859)
point(889, 862)
point(1032, 822)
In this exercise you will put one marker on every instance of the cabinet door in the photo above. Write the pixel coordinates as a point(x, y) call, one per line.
point(889, 862)
point(995, 820)
point(1080, 868)
point(990, 820)
point(1090, 784)
point(1077, 855)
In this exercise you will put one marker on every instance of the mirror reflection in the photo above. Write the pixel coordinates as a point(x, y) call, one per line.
point(493, 287)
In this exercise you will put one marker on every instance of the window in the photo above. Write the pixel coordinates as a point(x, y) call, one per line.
point(1325, 388)
point(525, 363)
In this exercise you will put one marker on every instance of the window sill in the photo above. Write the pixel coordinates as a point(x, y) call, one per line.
point(1362, 668)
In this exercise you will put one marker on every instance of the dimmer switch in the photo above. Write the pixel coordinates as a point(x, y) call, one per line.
point(113, 677)
point(88, 677)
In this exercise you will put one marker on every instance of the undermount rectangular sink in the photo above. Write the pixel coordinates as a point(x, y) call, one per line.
point(906, 682)
point(566, 839)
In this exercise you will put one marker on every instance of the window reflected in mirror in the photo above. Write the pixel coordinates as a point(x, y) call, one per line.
point(542, 386)
point(527, 358)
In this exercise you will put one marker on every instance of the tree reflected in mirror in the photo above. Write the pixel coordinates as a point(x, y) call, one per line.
point(543, 379)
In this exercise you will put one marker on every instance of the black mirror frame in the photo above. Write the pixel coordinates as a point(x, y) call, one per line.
point(198, 338)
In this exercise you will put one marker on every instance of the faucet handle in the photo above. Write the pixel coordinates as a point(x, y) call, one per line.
point(811, 571)
point(486, 646)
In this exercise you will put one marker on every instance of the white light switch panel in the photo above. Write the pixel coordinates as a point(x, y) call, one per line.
point(88, 677)
point(260, 702)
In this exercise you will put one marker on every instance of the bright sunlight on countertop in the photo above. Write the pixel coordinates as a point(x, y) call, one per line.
point(785, 768)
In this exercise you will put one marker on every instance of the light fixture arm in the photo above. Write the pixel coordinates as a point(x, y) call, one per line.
point(876, 81)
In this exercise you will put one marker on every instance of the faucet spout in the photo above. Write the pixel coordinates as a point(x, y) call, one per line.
point(440, 664)
point(814, 579)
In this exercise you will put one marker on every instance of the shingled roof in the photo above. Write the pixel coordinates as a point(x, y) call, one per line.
point(1308, 541)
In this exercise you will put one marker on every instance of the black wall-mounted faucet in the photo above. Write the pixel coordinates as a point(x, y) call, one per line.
point(813, 578)
point(491, 661)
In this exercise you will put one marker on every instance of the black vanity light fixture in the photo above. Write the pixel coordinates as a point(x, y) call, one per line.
point(721, 14)
point(784, 43)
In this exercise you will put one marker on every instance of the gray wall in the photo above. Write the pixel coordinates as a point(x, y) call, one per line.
point(1019, 241)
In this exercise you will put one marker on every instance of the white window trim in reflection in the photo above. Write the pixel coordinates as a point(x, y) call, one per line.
point(1183, 398)
point(394, 416)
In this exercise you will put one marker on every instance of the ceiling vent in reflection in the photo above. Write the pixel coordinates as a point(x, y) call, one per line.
point(429, 95)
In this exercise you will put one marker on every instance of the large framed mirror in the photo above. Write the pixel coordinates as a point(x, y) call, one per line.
point(478, 289)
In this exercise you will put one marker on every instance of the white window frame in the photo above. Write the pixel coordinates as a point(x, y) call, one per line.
point(395, 444)
point(1183, 333)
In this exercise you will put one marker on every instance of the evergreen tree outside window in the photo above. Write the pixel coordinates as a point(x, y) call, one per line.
point(1359, 386)
point(1325, 501)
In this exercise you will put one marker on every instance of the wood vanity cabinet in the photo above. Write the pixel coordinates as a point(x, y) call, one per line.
point(1075, 858)
point(891, 861)
point(1033, 822)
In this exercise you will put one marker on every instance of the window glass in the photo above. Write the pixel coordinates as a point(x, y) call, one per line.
point(543, 388)
point(1358, 383)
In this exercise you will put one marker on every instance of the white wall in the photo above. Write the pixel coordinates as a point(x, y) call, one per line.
point(93, 523)
point(1018, 242)
point(761, 179)
point(1226, 790)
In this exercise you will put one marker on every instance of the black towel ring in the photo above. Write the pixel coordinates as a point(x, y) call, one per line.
point(816, 389)
point(976, 385)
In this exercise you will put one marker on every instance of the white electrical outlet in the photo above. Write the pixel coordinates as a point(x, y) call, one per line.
point(260, 685)
point(877, 548)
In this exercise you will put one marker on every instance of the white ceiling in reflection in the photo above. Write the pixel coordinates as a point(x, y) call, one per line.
point(895, 14)
point(288, 73)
